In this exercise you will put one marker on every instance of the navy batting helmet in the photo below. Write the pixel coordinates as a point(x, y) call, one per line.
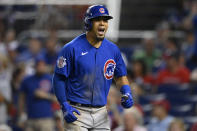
point(93, 12)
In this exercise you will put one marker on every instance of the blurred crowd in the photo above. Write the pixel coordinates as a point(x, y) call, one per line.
point(162, 70)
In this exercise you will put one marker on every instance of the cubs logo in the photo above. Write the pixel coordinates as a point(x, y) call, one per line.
point(109, 69)
point(102, 10)
point(61, 62)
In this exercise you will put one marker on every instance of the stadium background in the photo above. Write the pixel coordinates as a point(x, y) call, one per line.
point(148, 32)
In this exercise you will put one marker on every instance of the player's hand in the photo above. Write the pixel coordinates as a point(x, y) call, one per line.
point(127, 100)
point(68, 111)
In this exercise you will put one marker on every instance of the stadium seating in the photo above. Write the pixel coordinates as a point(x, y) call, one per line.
point(174, 89)
point(147, 99)
point(181, 110)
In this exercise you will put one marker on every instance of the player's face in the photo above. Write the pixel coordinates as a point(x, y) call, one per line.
point(99, 27)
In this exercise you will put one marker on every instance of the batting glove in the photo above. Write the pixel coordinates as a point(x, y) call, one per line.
point(126, 99)
point(68, 112)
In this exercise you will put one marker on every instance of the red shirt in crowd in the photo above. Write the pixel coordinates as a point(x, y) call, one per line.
point(180, 76)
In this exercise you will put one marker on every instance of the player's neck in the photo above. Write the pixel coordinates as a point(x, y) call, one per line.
point(93, 40)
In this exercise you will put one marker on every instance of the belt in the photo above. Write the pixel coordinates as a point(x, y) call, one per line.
point(84, 105)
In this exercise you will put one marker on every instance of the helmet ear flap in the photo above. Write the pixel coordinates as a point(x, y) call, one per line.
point(88, 24)
point(87, 21)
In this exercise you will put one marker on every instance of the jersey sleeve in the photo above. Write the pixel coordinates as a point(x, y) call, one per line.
point(120, 69)
point(64, 61)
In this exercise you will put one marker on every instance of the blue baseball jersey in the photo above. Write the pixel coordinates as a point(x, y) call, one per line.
point(88, 70)
point(36, 107)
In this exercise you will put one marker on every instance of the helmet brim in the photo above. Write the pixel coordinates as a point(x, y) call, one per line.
point(108, 17)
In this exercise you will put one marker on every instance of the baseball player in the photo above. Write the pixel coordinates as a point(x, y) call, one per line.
point(84, 72)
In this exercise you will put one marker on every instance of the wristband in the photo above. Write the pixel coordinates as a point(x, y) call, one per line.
point(125, 89)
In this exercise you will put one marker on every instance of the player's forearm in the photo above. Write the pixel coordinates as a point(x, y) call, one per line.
point(120, 81)
point(59, 87)
point(125, 89)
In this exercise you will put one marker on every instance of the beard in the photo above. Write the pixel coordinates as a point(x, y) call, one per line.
point(100, 38)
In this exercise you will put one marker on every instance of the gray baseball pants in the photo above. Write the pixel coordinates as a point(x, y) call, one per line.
point(91, 119)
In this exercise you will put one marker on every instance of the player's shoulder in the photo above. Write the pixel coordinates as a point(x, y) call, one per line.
point(71, 46)
point(73, 43)
point(111, 45)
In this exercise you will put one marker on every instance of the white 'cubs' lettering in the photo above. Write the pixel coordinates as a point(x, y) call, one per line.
point(109, 69)
point(61, 62)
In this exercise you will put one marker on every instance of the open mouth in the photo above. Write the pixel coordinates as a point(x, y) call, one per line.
point(101, 31)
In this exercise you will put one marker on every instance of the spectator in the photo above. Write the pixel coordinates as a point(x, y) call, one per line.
point(188, 44)
point(11, 45)
point(192, 63)
point(176, 125)
point(190, 10)
point(193, 76)
point(36, 95)
point(17, 76)
point(10, 37)
point(173, 73)
point(139, 74)
point(162, 35)
point(3, 50)
point(28, 57)
point(50, 53)
point(160, 120)
point(149, 54)
point(132, 120)
point(5, 128)
point(12, 52)
point(194, 127)
point(172, 45)
point(5, 89)
point(33, 50)
point(174, 18)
